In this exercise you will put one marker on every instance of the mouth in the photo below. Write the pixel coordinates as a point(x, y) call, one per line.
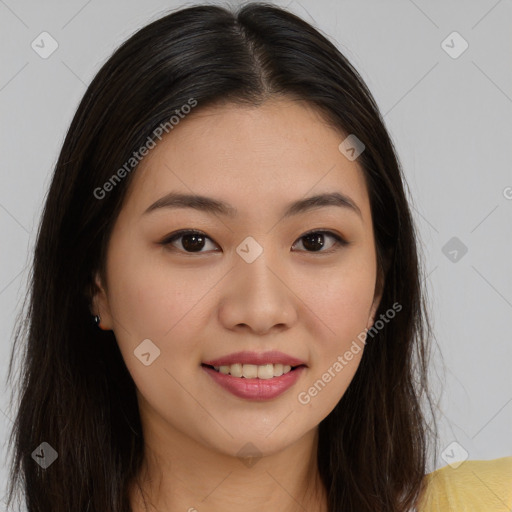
point(255, 382)
point(252, 371)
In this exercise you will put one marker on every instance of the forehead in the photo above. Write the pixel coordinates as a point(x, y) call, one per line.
point(251, 157)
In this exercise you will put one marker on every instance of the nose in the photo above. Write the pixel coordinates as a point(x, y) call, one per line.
point(258, 297)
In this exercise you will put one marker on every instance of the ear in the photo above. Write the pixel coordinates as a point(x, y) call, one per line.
point(379, 289)
point(99, 303)
point(373, 310)
point(383, 266)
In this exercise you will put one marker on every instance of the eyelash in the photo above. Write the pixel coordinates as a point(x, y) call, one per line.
point(339, 241)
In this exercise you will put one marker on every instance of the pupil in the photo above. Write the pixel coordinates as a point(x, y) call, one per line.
point(310, 240)
point(196, 244)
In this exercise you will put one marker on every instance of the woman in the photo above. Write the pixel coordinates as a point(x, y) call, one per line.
point(229, 208)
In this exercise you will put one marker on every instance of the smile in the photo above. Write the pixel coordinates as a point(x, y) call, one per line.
point(255, 387)
point(252, 371)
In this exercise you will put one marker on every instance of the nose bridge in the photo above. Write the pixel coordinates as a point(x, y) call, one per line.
point(259, 297)
point(258, 277)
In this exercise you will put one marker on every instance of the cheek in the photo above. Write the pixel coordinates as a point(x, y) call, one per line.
point(341, 299)
point(148, 301)
point(148, 297)
point(342, 314)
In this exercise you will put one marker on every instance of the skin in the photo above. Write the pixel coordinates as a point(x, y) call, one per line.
point(203, 305)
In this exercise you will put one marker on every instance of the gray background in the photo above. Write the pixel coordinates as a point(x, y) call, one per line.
point(450, 119)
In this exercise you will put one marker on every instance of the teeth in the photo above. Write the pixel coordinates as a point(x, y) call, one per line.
point(252, 371)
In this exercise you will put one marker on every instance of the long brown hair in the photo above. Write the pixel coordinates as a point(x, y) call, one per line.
point(75, 392)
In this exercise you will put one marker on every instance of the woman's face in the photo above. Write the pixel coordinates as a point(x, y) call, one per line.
point(251, 282)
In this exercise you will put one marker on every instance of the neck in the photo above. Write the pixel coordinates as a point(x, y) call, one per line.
point(182, 474)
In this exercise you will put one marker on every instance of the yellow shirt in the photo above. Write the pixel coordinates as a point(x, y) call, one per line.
point(474, 486)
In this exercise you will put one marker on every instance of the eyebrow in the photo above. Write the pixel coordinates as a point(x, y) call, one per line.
point(215, 206)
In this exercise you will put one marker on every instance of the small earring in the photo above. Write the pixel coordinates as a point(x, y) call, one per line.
point(96, 320)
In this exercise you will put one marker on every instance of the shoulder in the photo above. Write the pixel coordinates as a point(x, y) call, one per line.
point(474, 486)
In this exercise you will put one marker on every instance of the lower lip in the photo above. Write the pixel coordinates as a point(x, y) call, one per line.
point(255, 389)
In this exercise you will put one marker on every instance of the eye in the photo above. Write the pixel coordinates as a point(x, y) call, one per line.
point(314, 241)
point(192, 240)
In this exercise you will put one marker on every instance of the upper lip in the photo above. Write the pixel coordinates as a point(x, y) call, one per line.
point(247, 357)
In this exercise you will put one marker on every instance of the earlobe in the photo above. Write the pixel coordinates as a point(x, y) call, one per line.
point(99, 304)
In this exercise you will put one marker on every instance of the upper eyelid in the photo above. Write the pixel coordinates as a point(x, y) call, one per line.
point(184, 232)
